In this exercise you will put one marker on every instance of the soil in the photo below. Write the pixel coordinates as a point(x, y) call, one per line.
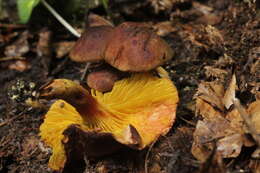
point(207, 36)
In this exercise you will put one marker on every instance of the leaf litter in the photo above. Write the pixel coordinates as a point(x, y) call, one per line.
point(222, 123)
point(211, 39)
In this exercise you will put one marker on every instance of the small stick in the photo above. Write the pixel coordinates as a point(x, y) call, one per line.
point(60, 19)
point(10, 120)
point(85, 71)
point(247, 120)
point(7, 25)
point(11, 58)
point(146, 157)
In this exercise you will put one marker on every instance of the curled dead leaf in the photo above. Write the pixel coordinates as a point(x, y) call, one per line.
point(230, 93)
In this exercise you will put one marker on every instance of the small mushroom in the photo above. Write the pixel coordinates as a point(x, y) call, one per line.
point(134, 114)
point(102, 80)
point(134, 47)
point(91, 45)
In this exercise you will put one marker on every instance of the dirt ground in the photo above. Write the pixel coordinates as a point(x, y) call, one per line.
point(212, 40)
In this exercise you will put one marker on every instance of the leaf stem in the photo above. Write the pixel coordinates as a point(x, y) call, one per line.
point(60, 19)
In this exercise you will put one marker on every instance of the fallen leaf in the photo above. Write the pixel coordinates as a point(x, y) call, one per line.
point(164, 28)
point(211, 92)
point(215, 72)
point(96, 20)
point(20, 65)
point(254, 166)
point(230, 93)
point(19, 47)
point(44, 49)
point(220, 126)
point(254, 112)
point(63, 48)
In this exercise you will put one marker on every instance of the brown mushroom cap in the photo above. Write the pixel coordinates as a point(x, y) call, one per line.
point(135, 47)
point(103, 80)
point(91, 45)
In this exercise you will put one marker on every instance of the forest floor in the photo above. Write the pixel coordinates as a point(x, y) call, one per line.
point(212, 40)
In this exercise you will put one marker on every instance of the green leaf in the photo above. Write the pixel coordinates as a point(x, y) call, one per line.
point(105, 4)
point(25, 8)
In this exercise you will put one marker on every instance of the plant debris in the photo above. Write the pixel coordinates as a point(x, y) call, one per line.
point(222, 125)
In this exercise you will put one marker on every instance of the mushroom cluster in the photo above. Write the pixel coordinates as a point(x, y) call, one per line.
point(135, 113)
point(129, 47)
point(117, 112)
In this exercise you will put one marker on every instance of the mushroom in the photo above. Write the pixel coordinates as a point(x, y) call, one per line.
point(90, 48)
point(134, 47)
point(91, 45)
point(102, 80)
point(134, 114)
point(131, 46)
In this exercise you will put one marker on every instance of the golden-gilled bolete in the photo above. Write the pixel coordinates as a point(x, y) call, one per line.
point(135, 113)
point(91, 45)
point(134, 47)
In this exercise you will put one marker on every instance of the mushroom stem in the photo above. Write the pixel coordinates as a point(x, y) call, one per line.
point(60, 19)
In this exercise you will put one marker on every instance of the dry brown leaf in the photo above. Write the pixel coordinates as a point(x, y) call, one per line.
point(206, 110)
point(224, 128)
point(213, 164)
point(258, 95)
point(210, 19)
point(214, 35)
point(19, 47)
point(164, 28)
point(227, 134)
point(224, 61)
point(215, 72)
point(254, 111)
point(255, 68)
point(254, 166)
point(62, 48)
point(96, 20)
point(212, 93)
point(20, 65)
point(44, 49)
point(230, 93)
point(230, 146)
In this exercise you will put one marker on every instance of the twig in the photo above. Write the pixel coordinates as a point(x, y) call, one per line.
point(146, 157)
point(60, 19)
point(11, 58)
point(85, 71)
point(247, 120)
point(10, 120)
point(10, 25)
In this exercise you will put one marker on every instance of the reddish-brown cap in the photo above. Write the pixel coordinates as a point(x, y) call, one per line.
point(103, 80)
point(91, 45)
point(135, 47)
